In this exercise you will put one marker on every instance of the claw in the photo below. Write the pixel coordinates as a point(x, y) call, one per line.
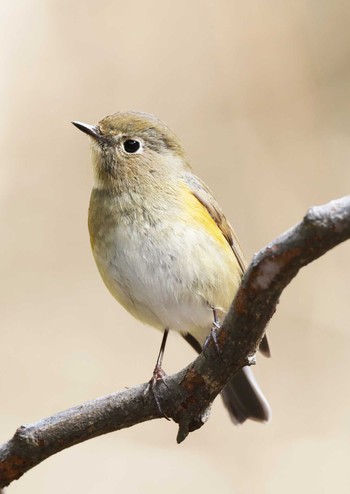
point(213, 335)
point(158, 375)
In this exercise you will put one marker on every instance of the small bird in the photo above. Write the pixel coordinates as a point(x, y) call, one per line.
point(162, 245)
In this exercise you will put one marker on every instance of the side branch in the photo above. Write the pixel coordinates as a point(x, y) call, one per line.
point(188, 394)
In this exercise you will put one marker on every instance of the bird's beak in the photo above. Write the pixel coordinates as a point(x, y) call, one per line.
point(90, 130)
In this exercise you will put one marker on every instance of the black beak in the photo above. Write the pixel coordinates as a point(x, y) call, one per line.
point(90, 130)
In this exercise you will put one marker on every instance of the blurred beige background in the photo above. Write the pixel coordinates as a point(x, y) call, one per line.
point(259, 92)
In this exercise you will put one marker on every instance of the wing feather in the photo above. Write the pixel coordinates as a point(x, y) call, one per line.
point(204, 195)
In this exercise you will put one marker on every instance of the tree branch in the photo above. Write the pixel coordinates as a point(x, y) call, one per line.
point(186, 396)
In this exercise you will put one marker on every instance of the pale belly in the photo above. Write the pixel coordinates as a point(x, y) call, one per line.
point(170, 277)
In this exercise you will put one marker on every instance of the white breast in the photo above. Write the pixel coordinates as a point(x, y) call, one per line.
point(166, 276)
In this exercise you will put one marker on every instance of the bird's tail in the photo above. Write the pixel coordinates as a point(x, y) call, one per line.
point(244, 399)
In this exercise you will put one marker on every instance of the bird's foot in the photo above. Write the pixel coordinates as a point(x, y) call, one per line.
point(158, 375)
point(213, 335)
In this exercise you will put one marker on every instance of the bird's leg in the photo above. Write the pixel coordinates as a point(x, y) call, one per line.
point(158, 373)
point(214, 332)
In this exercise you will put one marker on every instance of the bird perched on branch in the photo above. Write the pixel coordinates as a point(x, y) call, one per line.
point(162, 245)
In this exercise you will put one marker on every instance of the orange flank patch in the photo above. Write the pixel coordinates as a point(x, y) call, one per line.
point(201, 217)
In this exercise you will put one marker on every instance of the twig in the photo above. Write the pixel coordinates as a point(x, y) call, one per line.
point(187, 396)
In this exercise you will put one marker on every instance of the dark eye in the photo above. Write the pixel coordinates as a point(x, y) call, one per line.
point(131, 145)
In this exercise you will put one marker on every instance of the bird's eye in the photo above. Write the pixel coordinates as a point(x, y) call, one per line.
point(131, 146)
